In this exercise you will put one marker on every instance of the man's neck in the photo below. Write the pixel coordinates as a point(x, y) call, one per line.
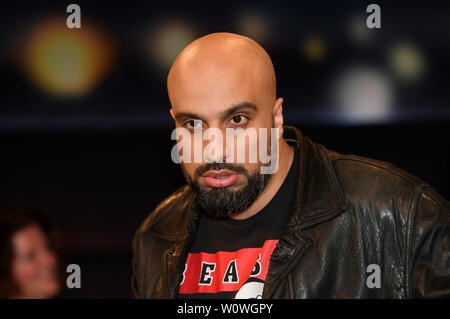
point(285, 161)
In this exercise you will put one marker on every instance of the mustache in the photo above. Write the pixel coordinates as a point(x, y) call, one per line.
point(219, 166)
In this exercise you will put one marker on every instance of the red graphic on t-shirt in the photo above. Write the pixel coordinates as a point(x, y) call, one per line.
point(225, 271)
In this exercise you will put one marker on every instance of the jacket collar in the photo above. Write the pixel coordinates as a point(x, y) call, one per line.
point(317, 196)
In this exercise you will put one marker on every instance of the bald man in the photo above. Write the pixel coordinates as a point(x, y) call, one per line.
point(318, 225)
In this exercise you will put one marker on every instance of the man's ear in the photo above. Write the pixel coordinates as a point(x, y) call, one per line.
point(277, 115)
point(172, 114)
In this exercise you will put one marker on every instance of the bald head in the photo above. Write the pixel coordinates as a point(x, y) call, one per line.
point(222, 68)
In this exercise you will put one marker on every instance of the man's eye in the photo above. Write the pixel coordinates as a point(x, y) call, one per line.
point(194, 124)
point(238, 119)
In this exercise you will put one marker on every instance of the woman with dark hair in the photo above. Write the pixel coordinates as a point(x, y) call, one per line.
point(28, 261)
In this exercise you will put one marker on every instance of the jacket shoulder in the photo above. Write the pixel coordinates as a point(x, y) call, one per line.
point(170, 214)
point(368, 179)
point(373, 187)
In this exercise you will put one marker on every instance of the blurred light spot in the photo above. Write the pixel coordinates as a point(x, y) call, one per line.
point(168, 41)
point(407, 62)
point(66, 62)
point(314, 49)
point(363, 94)
point(254, 26)
point(359, 32)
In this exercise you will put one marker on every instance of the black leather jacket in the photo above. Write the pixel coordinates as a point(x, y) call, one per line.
point(346, 213)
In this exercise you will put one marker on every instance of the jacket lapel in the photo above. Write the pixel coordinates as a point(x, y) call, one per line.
point(316, 198)
point(174, 265)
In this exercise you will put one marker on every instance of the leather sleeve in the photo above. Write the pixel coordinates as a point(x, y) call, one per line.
point(428, 256)
point(135, 275)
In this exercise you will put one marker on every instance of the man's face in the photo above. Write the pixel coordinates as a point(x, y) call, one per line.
point(226, 101)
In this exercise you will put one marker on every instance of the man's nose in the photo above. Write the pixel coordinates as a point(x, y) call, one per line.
point(216, 149)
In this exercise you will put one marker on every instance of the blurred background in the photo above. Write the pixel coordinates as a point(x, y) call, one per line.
point(84, 121)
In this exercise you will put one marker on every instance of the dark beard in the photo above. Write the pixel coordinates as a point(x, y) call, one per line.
point(222, 202)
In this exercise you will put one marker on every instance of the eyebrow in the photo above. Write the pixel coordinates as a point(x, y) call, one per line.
point(225, 113)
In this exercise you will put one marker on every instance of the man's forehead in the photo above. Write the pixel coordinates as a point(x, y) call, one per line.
point(216, 78)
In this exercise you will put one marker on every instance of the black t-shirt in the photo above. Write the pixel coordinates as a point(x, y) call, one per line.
point(230, 258)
